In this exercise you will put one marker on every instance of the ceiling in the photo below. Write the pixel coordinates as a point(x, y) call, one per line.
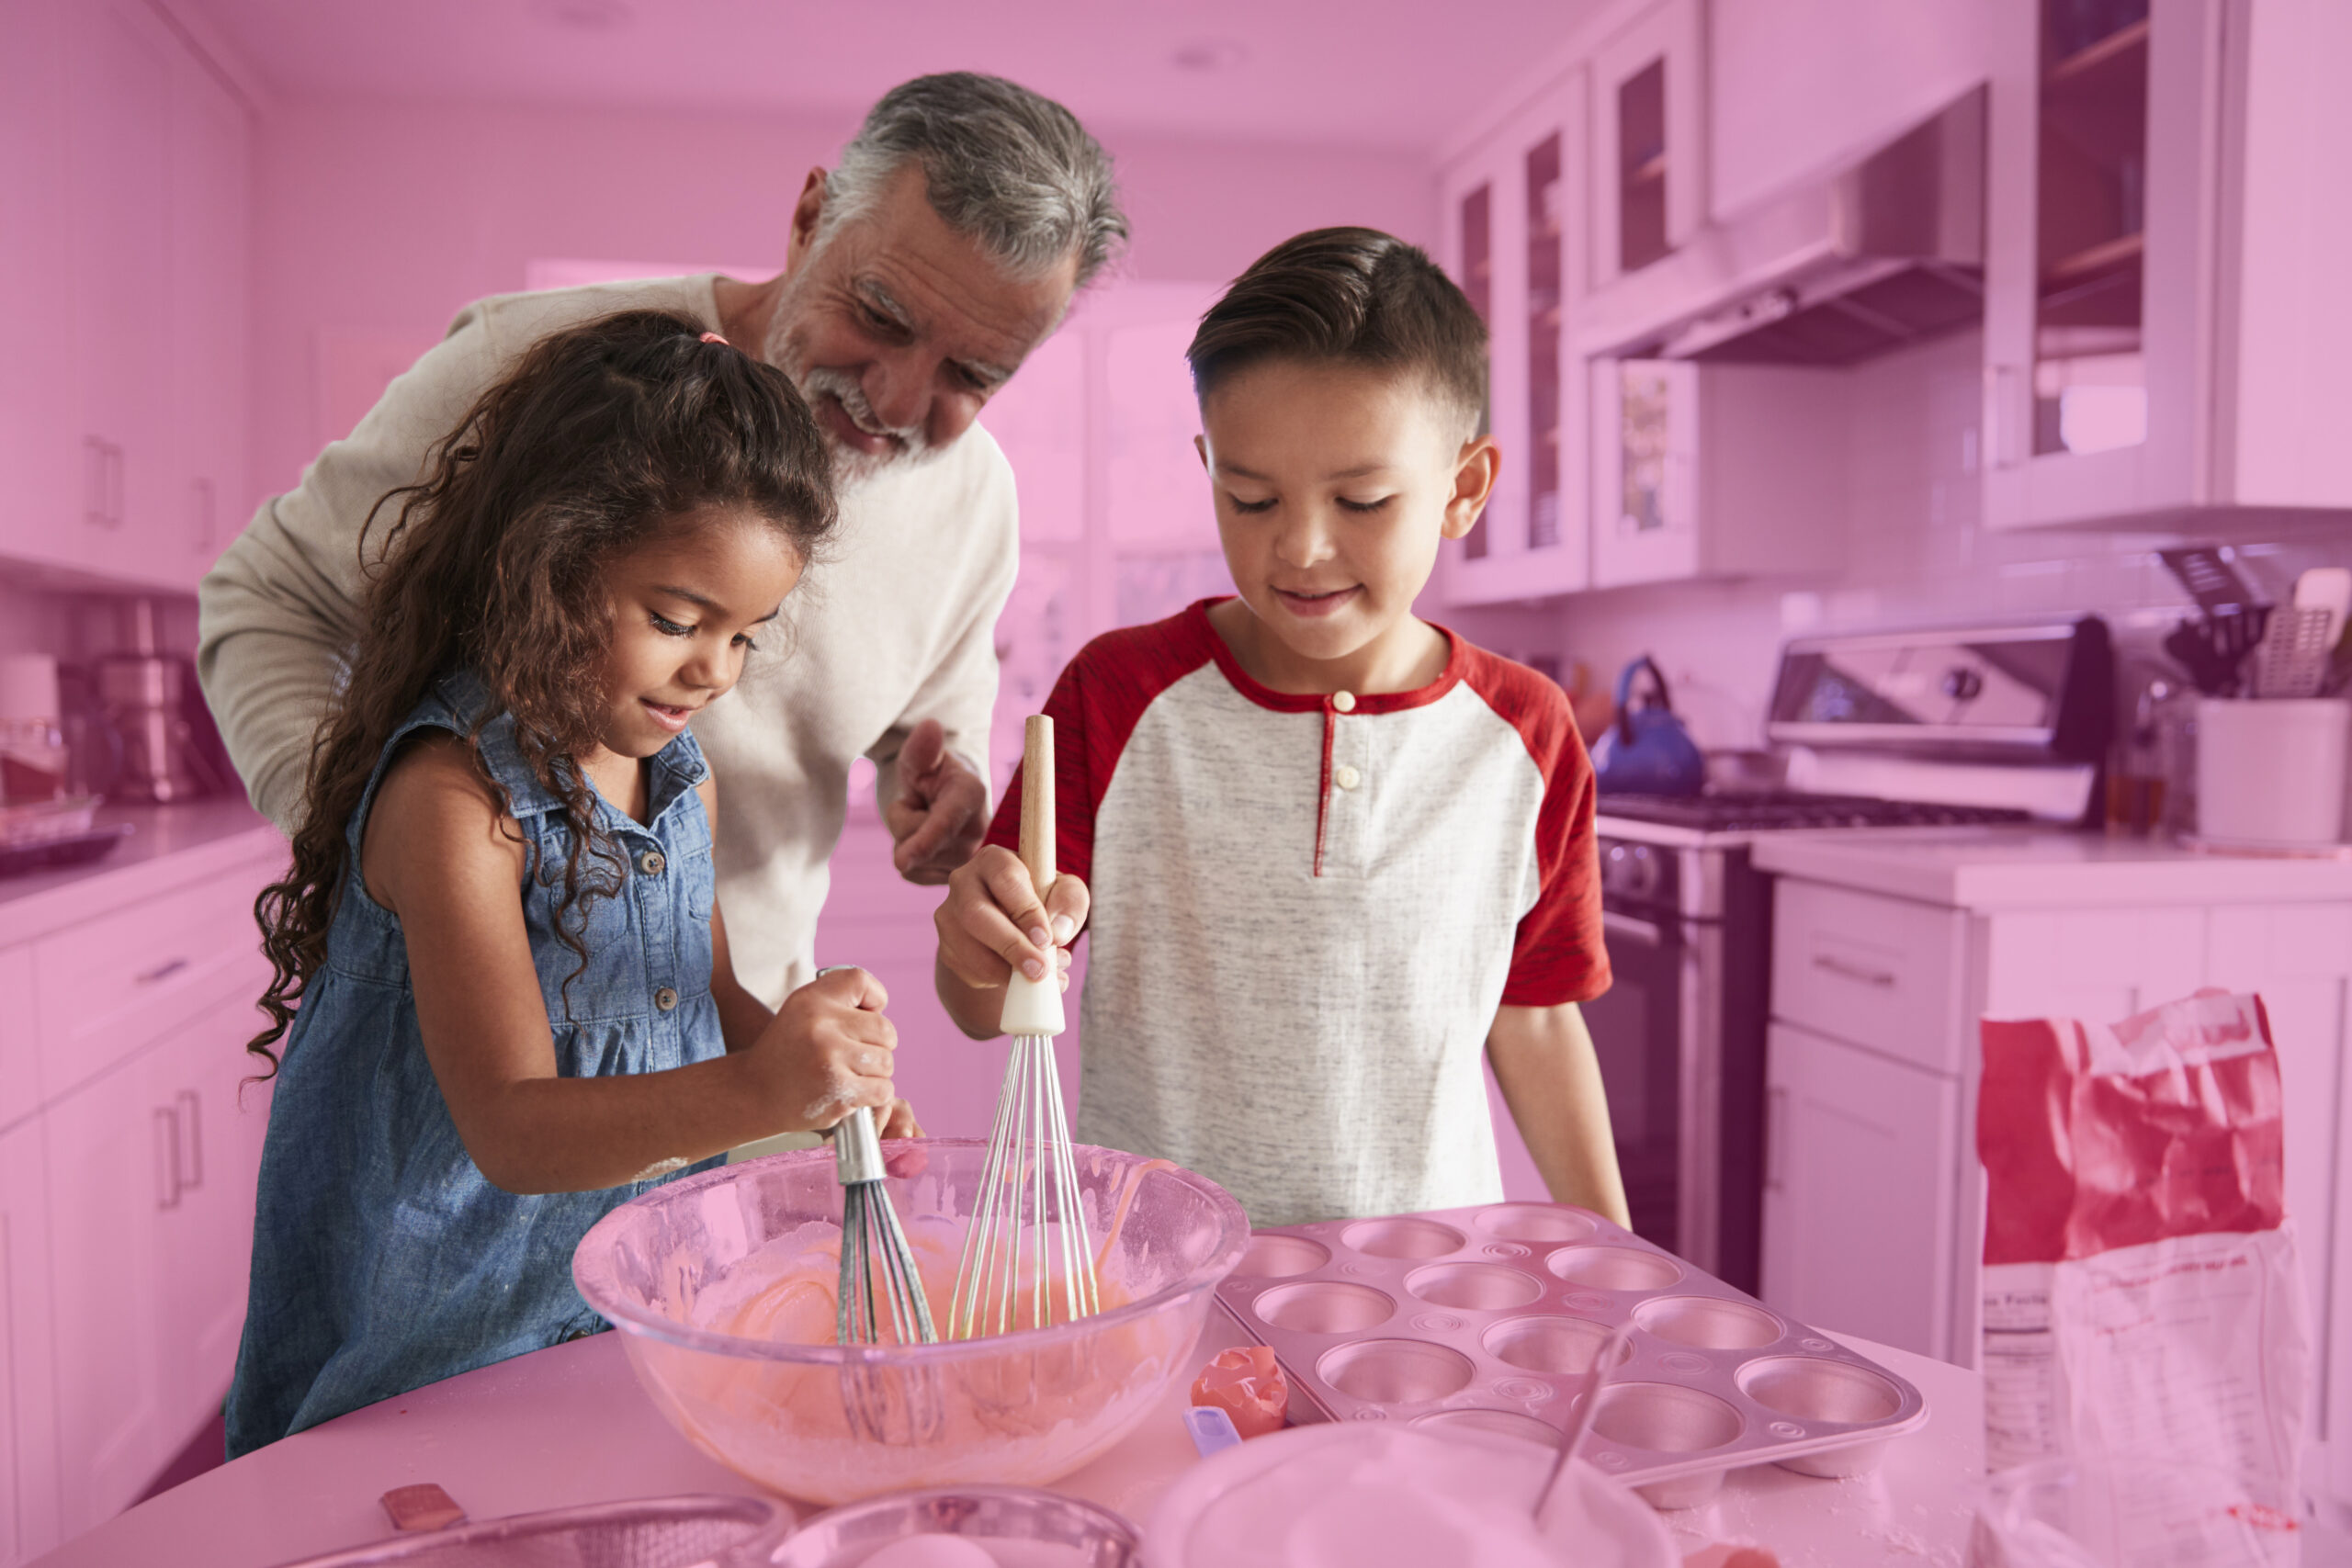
point(1374, 74)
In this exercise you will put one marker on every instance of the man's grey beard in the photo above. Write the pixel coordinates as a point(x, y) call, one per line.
point(850, 466)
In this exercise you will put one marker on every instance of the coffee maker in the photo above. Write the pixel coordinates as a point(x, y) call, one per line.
point(144, 693)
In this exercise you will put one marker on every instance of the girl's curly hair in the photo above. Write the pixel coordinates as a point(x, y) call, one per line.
point(598, 439)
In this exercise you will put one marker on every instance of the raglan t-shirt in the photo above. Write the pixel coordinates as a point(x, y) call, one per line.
point(1307, 911)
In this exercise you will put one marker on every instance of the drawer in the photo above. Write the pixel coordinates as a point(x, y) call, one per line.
point(19, 1063)
point(108, 986)
point(1881, 973)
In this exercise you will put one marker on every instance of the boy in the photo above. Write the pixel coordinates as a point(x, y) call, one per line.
point(1336, 849)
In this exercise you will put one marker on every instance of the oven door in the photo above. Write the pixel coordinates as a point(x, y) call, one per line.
point(1644, 1030)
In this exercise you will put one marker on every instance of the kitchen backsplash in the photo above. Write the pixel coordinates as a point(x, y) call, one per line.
point(75, 626)
point(1916, 553)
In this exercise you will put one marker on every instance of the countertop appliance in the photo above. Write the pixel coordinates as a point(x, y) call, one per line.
point(147, 697)
point(1904, 728)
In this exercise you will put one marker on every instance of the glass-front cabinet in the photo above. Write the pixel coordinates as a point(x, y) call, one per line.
point(2161, 328)
point(1650, 142)
point(1514, 240)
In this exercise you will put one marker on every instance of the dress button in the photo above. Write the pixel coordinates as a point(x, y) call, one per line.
point(1346, 777)
point(652, 861)
point(665, 999)
point(1344, 701)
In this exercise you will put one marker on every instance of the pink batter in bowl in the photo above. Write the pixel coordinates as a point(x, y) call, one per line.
point(721, 1286)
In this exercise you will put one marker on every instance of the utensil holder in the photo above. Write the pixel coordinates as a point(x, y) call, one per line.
point(2272, 772)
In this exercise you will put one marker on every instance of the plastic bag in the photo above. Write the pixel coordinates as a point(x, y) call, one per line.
point(2142, 1292)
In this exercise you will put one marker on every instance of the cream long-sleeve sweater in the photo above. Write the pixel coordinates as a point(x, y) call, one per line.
point(896, 626)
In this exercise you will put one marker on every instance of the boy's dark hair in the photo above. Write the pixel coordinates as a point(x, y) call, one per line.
point(1347, 296)
point(598, 439)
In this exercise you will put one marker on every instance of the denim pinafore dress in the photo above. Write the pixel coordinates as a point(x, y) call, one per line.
point(384, 1259)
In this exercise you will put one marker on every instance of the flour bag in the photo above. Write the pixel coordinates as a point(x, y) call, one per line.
point(2142, 1295)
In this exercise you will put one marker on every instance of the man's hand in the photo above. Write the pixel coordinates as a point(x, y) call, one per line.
point(940, 811)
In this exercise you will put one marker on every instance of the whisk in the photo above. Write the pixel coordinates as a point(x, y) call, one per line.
point(1028, 1214)
point(874, 1246)
point(882, 1402)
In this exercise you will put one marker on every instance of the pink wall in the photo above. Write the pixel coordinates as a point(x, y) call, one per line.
point(374, 223)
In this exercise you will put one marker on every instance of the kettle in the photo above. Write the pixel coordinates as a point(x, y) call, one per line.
point(1646, 752)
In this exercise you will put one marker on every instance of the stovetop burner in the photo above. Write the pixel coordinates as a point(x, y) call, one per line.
point(1752, 813)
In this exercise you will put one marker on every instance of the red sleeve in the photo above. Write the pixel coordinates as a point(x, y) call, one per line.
point(1558, 955)
point(1095, 706)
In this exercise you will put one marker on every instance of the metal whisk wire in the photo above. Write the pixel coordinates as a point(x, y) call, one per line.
point(1029, 1206)
point(1013, 1224)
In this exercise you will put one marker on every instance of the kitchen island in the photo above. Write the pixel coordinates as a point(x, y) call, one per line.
point(570, 1425)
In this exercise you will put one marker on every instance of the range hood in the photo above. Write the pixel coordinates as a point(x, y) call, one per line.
point(1885, 252)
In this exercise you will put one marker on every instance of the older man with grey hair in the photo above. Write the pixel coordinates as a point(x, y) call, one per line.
point(947, 244)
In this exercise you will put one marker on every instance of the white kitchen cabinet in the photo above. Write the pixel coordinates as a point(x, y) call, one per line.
point(29, 1488)
point(2166, 323)
point(1715, 470)
point(1514, 238)
point(127, 1188)
point(125, 171)
point(1861, 1163)
point(109, 1176)
point(1649, 140)
point(39, 444)
point(214, 1125)
point(121, 67)
point(1795, 86)
point(211, 203)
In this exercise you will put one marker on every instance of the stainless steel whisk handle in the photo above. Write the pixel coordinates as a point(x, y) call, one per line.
point(857, 1150)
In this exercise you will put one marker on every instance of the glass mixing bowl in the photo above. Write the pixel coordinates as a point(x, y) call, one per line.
point(675, 1269)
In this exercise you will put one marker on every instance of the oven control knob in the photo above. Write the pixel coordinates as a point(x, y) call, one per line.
point(1630, 870)
point(1962, 684)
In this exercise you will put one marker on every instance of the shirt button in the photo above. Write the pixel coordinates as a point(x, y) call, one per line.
point(665, 999)
point(651, 862)
point(1346, 777)
point(1344, 701)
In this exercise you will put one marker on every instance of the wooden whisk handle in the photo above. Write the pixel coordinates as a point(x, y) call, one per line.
point(1034, 1008)
point(1038, 802)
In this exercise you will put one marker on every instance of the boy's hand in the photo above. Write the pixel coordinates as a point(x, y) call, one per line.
point(828, 1051)
point(993, 922)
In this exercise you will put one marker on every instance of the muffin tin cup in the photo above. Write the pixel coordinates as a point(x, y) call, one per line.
point(1490, 1318)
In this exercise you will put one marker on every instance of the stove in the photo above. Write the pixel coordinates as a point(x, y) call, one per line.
point(1898, 729)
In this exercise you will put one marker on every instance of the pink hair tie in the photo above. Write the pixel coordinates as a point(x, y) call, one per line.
point(714, 337)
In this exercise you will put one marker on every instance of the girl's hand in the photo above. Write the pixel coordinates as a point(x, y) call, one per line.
point(827, 1052)
point(993, 922)
point(898, 1121)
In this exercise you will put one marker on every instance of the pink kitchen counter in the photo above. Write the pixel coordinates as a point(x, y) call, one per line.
point(569, 1424)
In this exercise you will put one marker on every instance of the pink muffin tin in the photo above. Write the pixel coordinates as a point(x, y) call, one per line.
point(1490, 1318)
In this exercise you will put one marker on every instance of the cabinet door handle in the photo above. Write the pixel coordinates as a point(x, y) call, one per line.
point(2003, 419)
point(203, 505)
point(167, 1159)
point(162, 971)
point(188, 1107)
point(1776, 1138)
point(1882, 978)
point(95, 468)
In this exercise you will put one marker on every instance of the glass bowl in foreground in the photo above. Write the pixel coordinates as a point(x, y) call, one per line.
point(717, 1281)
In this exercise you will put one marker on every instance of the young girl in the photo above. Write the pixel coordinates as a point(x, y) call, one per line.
point(515, 1008)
